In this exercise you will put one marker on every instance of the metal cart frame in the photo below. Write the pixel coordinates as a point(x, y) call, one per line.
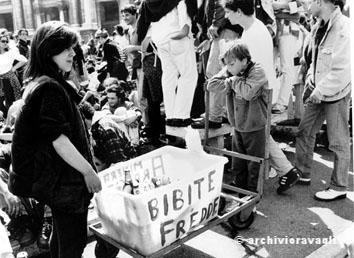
point(250, 201)
point(245, 204)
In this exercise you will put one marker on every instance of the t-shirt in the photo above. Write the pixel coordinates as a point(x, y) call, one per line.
point(260, 45)
point(170, 24)
point(7, 59)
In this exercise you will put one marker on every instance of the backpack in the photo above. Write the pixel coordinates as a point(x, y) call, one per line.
point(21, 175)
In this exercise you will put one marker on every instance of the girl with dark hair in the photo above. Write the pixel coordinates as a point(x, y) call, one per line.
point(9, 84)
point(51, 135)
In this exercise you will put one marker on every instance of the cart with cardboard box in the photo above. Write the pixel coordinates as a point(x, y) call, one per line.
point(158, 221)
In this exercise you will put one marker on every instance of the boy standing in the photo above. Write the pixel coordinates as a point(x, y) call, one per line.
point(246, 108)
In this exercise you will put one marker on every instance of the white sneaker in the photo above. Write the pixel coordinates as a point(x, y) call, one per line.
point(330, 195)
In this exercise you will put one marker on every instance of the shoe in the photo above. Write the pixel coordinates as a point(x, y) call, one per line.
point(288, 180)
point(290, 122)
point(179, 122)
point(201, 124)
point(225, 120)
point(279, 109)
point(330, 195)
point(304, 181)
point(43, 237)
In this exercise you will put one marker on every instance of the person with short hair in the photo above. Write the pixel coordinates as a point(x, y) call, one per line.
point(244, 83)
point(327, 96)
point(115, 66)
point(259, 42)
point(116, 98)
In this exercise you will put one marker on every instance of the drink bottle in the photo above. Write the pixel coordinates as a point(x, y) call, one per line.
point(128, 184)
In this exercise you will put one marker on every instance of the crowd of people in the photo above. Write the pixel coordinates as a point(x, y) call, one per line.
point(75, 108)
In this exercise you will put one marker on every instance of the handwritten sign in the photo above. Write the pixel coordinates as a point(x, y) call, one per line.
point(158, 217)
point(177, 199)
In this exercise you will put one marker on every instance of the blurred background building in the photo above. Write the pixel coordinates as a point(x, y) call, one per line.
point(85, 15)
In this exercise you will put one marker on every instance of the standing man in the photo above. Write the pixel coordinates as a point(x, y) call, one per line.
point(130, 15)
point(288, 31)
point(23, 47)
point(327, 94)
point(171, 24)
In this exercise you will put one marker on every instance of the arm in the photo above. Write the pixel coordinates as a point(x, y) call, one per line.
point(22, 60)
point(250, 87)
point(340, 69)
point(12, 202)
point(185, 22)
point(67, 151)
point(217, 82)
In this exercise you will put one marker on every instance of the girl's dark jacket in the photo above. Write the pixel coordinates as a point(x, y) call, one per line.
point(49, 111)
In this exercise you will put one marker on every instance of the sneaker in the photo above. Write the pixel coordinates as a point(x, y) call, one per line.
point(43, 237)
point(279, 109)
point(288, 180)
point(330, 195)
point(304, 181)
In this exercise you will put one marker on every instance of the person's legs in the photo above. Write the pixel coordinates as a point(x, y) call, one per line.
point(255, 146)
point(287, 50)
point(217, 99)
point(69, 237)
point(185, 61)
point(278, 160)
point(311, 123)
point(239, 166)
point(104, 249)
point(168, 80)
point(337, 116)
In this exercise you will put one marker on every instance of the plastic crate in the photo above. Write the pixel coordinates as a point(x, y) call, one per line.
point(150, 221)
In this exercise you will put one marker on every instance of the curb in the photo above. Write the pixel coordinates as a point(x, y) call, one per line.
point(343, 246)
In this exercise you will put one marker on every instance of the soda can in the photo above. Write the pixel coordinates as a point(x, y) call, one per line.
point(22, 255)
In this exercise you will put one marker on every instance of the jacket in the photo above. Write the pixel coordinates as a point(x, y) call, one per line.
point(245, 101)
point(331, 72)
point(49, 111)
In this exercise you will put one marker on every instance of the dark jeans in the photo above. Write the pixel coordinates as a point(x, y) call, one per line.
point(337, 115)
point(246, 172)
point(69, 236)
point(104, 249)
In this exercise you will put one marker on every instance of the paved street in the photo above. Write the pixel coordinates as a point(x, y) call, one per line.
point(281, 221)
point(288, 217)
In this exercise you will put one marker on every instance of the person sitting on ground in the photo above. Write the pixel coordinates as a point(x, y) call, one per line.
point(110, 146)
point(116, 98)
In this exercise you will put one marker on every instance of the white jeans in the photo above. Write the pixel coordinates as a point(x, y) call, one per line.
point(217, 103)
point(179, 76)
point(287, 50)
point(278, 160)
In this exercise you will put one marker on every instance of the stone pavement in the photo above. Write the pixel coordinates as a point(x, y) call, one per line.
point(291, 225)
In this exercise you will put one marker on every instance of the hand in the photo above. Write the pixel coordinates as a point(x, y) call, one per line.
point(128, 49)
point(316, 97)
point(13, 205)
point(183, 33)
point(204, 46)
point(93, 182)
point(213, 32)
point(132, 121)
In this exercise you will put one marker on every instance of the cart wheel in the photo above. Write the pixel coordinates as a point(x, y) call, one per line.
point(222, 204)
point(237, 224)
